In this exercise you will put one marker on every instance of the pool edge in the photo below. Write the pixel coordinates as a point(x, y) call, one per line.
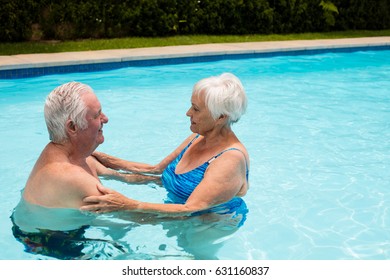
point(33, 65)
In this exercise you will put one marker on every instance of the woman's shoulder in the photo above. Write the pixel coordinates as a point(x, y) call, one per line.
point(241, 151)
point(238, 145)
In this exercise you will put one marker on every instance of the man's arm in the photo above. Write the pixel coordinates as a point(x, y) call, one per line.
point(138, 167)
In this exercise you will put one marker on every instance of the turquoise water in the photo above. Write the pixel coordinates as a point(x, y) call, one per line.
point(317, 130)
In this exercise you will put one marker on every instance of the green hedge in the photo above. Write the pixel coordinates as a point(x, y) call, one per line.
point(16, 18)
point(76, 19)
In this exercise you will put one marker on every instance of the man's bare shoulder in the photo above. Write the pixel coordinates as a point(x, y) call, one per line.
point(54, 164)
point(60, 184)
point(69, 174)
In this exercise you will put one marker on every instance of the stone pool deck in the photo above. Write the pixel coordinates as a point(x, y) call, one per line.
point(105, 57)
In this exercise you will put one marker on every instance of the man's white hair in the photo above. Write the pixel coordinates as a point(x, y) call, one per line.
point(62, 104)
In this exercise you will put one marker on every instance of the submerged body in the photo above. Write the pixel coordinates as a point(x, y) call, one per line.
point(63, 233)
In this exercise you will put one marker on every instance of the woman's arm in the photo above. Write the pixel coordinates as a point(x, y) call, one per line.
point(114, 201)
point(138, 167)
point(121, 164)
point(223, 180)
point(108, 173)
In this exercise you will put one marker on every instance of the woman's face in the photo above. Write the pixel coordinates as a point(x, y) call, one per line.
point(200, 117)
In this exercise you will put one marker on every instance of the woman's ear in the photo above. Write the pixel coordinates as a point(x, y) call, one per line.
point(222, 119)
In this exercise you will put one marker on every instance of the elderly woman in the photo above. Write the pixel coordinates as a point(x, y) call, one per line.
point(208, 172)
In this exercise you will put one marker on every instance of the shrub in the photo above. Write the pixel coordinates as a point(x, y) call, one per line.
point(77, 19)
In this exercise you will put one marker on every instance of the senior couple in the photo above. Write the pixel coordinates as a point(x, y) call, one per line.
point(207, 173)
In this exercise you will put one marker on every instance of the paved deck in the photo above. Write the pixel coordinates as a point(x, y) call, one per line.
point(31, 61)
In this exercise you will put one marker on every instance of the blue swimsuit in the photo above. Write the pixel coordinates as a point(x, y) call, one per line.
point(181, 186)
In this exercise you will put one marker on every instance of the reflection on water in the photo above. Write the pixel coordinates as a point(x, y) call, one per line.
point(71, 234)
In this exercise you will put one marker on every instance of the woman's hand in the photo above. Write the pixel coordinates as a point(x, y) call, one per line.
point(110, 201)
point(122, 164)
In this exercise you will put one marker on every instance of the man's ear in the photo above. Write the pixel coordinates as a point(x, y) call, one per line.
point(71, 127)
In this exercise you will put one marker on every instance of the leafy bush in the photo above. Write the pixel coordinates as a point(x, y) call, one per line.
point(16, 17)
point(76, 19)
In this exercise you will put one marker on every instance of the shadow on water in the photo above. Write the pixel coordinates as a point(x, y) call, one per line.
point(69, 234)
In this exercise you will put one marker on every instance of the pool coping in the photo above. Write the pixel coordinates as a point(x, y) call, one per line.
point(29, 65)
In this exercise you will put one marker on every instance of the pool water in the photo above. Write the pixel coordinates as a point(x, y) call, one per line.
point(317, 130)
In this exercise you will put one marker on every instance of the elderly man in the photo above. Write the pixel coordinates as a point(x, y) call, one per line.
point(65, 173)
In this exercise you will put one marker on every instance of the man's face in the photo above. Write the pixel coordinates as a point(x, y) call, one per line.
point(92, 136)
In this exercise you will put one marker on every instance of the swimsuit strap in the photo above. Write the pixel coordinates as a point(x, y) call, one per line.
point(216, 156)
point(189, 144)
point(230, 149)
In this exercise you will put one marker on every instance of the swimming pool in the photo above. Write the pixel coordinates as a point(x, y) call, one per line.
point(317, 130)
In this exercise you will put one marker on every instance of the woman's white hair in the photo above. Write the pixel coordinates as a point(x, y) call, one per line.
point(224, 95)
point(62, 104)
